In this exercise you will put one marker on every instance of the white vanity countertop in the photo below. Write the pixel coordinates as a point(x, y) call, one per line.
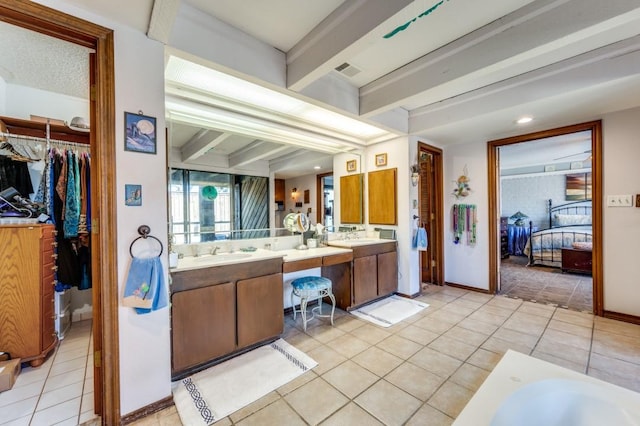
point(358, 242)
point(220, 259)
point(292, 255)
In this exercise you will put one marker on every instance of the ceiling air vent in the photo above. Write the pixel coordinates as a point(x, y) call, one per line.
point(347, 69)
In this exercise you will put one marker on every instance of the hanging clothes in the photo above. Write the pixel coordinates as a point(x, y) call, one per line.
point(16, 174)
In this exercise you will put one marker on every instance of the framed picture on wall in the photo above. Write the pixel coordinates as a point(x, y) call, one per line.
point(351, 166)
point(578, 187)
point(133, 195)
point(139, 133)
point(381, 159)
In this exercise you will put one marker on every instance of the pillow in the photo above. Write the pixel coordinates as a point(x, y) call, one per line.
point(572, 219)
point(582, 245)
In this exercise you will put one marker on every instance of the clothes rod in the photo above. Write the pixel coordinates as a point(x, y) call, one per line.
point(44, 140)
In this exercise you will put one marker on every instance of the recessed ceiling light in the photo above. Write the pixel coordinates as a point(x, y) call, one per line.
point(524, 120)
point(317, 167)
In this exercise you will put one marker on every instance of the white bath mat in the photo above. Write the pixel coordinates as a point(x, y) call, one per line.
point(390, 310)
point(213, 394)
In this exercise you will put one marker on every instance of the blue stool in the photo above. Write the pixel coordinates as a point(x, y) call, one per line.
point(310, 289)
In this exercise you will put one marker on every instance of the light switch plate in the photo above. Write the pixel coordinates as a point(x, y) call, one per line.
point(620, 200)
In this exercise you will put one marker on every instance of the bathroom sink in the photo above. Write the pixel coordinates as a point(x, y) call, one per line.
point(356, 242)
point(560, 402)
point(221, 257)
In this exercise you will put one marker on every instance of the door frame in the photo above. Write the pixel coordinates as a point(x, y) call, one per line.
point(436, 239)
point(596, 202)
point(36, 17)
point(320, 197)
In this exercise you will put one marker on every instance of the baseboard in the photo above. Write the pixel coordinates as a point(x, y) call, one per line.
point(408, 296)
point(147, 410)
point(466, 287)
point(621, 317)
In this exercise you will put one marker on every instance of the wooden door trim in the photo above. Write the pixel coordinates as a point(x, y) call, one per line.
point(54, 23)
point(320, 197)
point(436, 238)
point(596, 201)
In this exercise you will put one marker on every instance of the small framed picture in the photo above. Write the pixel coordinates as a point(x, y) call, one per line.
point(351, 166)
point(132, 195)
point(381, 159)
point(139, 133)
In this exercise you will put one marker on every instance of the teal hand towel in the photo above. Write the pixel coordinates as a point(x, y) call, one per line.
point(145, 288)
point(421, 239)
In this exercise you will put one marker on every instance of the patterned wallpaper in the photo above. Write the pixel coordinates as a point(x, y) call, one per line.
point(530, 195)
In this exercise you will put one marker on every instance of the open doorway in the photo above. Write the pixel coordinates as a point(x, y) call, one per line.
point(430, 207)
point(325, 199)
point(534, 228)
point(40, 19)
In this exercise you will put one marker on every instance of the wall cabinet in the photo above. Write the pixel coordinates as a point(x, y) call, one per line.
point(351, 201)
point(26, 290)
point(279, 191)
point(222, 310)
point(383, 201)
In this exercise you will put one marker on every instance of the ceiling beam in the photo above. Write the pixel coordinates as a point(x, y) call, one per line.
point(201, 143)
point(163, 16)
point(255, 152)
point(614, 62)
point(544, 31)
point(346, 31)
point(296, 159)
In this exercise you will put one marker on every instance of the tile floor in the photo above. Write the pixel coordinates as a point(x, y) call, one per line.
point(60, 391)
point(425, 369)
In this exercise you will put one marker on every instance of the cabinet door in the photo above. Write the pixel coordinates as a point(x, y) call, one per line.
point(365, 279)
point(387, 273)
point(203, 324)
point(260, 309)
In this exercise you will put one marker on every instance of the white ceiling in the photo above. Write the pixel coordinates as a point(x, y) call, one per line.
point(464, 72)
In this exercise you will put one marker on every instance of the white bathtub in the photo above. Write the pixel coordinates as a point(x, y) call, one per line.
point(525, 391)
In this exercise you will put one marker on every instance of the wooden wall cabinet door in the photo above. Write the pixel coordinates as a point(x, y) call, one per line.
point(260, 309)
point(387, 273)
point(351, 200)
point(203, 324)
point(383, 200)
point(279, 190)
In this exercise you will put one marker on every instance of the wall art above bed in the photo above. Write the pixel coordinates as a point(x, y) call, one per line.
point(578, 187)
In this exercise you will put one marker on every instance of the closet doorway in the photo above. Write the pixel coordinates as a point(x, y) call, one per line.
point(41, 19)
point(544, 246)
point(324, 191)
point(431, 217)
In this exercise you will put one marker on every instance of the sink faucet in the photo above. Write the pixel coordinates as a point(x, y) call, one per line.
point(215, 250)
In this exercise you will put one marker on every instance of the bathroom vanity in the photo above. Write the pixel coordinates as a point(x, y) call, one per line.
point(217, 311)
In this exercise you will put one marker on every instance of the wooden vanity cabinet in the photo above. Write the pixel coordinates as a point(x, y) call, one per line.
point(375, 273)
point(222, 310)
point(260, 309)
point(27, 267)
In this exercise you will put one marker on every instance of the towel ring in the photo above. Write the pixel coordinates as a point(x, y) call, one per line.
point(144, 232)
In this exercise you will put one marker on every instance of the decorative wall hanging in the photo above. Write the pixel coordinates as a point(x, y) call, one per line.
point(133, 195)
point(578, 187)
point(139, 133)
point(464, 221)
point(462, 188)
point(352, 165)
point(381, 159)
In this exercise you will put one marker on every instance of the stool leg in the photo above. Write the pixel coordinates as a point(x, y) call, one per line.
point(303, 311)
point(293, 306)
point(320, 303)
point(333, 306)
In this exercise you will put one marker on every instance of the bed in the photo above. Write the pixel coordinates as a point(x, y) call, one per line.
point(569, 228)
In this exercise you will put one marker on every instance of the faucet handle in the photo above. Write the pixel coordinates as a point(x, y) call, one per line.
point(215, 249)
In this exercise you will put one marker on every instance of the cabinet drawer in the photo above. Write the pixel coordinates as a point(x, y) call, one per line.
point(301, 265)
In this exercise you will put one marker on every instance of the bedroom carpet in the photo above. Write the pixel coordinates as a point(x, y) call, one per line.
point(212, 394)
point(545, 285)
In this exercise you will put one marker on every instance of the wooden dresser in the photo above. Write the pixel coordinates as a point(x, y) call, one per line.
point(504, 237)
point(27, 266)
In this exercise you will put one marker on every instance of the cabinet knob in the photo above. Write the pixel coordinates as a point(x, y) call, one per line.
point(54, 244)
point(54, 268)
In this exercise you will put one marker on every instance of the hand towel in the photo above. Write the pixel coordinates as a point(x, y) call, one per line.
point(421, 239)
point(145, 288)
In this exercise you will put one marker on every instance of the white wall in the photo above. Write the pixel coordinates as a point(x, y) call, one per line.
point(145, 350)
point(3, 97)
point(467, 264)
point(27, 101)
point(621, 227)
point(302, 183)
point(530, 195)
